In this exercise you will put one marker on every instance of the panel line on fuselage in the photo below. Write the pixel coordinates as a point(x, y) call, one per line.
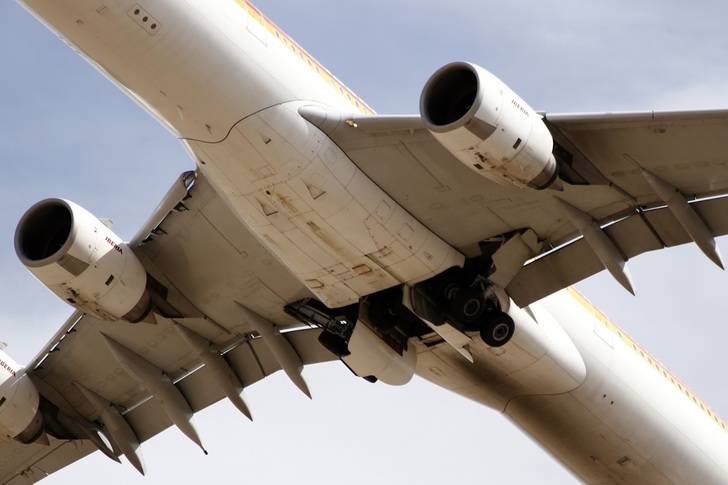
point(646, 356)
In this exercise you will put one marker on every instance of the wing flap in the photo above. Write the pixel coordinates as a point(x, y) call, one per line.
point(634, 235)
point(250, 360)
point(686, 148)
point(224, 263)
point(24, 464)
point(206, 260)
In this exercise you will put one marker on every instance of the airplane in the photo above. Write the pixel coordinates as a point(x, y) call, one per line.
point(315, 230)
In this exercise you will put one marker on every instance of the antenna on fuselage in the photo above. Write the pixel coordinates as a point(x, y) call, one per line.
point(3, 346)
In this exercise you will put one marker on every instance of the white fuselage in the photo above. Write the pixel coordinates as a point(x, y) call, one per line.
point(229, 84)
point(591, 396)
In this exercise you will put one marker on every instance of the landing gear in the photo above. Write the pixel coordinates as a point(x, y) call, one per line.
point(479, 313)
point(498, 329)
point(471, 307)
point(466, 301)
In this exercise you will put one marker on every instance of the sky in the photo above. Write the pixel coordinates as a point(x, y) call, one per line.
point(66, 131)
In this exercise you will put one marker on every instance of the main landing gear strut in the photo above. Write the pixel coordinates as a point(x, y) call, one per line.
point(466, 302)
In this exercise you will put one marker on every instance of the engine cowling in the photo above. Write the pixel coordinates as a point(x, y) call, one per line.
point(82, 261)
point(488, 127)
point(20, 415)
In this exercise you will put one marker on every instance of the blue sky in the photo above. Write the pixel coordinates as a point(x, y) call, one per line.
point(66, 131)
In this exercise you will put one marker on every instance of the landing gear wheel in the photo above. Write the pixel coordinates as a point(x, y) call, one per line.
point(498, 330)
point(469, 308)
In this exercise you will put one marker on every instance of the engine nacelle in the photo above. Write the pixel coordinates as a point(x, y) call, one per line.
point(488, 127)
point(82, 261)
point(20, 415)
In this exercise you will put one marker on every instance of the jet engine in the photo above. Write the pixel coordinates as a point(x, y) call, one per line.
point(20, 414)
point(29, 418)
point(488, 127)
point(82, 261)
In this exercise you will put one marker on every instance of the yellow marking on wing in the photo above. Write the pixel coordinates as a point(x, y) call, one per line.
point(299, 51)
point(645, 355)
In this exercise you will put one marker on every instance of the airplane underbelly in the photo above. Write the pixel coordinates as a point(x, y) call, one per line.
point(614, 440)
point(338, 232)
point(587, 445)
point(630, 421)
point(168, 56)
point(220, 77)
point(540, 359)
point(198, 66)
point(581, 389)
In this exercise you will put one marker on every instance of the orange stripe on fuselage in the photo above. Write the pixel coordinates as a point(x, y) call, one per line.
point(645, 355)
point(299, 51)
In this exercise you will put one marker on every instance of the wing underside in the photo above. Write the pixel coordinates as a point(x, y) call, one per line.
point(192, 230)
point(602, 159)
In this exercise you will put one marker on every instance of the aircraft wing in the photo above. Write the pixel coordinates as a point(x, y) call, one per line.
point(601, 157)
point(601, 160)
point(192, 229)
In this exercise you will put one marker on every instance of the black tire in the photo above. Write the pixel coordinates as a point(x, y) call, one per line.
point(469, 308)
point(498, 329)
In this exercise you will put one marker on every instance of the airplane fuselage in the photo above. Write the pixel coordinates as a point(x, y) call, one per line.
point(230, 85)
point(621, 418)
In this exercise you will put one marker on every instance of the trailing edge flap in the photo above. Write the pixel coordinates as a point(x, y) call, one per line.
point(634, 235)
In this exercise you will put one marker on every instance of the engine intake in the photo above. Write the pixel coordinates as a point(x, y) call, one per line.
point(488, 127)
point(82, 261)
point(450, 95)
